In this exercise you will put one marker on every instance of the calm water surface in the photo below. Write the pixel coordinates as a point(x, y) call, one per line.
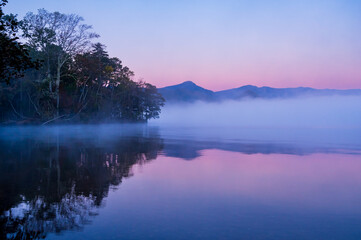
point(146, 182)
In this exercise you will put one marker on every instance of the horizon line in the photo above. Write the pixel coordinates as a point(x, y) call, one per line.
point(188, 81)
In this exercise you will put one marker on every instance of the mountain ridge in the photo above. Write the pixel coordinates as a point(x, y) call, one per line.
point(188, 91)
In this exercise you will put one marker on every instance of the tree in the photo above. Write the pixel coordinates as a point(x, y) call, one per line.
point(66, 31)
point(93, 87)
point(106, 86)
point(14, 57)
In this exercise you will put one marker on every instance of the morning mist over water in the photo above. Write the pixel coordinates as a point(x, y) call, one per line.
point(180, 120)
point(305, 120)
point(302, 112)
point(129, 180)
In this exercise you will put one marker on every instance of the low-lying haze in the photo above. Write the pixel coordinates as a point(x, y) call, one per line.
point(313, 112)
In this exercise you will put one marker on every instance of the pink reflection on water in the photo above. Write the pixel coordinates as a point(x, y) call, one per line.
point(318, 182)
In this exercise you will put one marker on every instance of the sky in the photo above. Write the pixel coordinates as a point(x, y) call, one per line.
point(226, 43)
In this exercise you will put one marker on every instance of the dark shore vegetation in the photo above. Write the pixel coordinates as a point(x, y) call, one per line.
point(63, 180)
point(52, 72)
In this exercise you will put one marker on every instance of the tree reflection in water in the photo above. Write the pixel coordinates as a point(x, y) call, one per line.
point(54, 178)
point(49, 185)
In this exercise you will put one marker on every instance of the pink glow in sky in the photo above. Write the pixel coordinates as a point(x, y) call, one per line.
point(226, 44)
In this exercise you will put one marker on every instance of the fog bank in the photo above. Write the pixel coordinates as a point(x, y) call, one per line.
point(315, 112)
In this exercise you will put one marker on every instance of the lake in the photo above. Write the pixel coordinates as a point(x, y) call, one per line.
point(151, 182)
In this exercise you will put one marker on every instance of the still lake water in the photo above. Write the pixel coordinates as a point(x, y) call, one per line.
point(147, 182)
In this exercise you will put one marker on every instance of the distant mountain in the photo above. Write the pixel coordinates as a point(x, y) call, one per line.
point(190, 92)
point(186, 92)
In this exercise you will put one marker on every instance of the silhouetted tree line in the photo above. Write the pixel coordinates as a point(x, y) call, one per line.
point(58, 74)
point(47, 186)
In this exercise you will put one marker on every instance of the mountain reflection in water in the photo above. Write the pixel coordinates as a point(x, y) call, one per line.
point(55, 178)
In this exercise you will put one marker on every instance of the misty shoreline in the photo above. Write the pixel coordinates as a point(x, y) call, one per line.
point(328, 112)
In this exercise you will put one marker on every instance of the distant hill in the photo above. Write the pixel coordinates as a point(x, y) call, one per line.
point(186, 92)
point(190, 92)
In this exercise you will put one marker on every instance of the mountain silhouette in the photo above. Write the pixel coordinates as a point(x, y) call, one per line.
point(190, 92)
point(186, 92)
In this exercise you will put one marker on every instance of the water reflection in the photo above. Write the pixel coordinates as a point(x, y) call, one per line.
point(56, 182)
point(55, 179)
point(192, 149)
